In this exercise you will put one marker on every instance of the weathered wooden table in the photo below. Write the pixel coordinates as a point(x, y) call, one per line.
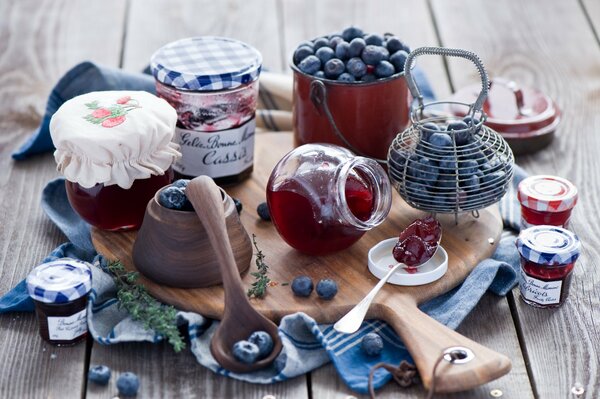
point(551, 44)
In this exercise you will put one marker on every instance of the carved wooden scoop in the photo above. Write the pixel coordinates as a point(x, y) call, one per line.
point(240, 319)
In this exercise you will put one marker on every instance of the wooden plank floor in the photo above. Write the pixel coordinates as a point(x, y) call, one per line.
point(552, 44)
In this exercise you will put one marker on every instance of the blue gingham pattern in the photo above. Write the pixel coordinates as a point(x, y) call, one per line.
point(60, 281)
point(549, 245)
point(206, 63)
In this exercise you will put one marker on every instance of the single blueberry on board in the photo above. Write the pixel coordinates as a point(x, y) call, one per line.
point(384, 69)
point(393, 44)
point(172, 198)
point(319, 74)
point(461, 132)
point(356, 47)
point(263, 211)
point(369, 77)
point(327, 288)
point(128, 384)
point(372, 344)
point(356, 67)
point(334, 68)
point(310, 64)
point(99, 374)
point(325, 54)
point(238, 205)
point(373, 55)
point(374, 39)
point(346, 77)
point(263, 341)
point(245, 351)
point(342, 50)
point(301, 53)
point(181, 183)
point(352, 32)
point(302, 286)
point(320, 42)
point(398, 59)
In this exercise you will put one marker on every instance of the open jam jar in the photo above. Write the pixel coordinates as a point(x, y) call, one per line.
point(59, 290)
point(546, 200)
point(548, 255)
point(322, 198)
point(212, 82)
point(115, 150)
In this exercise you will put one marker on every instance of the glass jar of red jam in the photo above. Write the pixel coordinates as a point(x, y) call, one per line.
point(212, 82)
point(115, 149)
point(546, 200)
point(59, 290)
point(548, 255)
point(322, 198)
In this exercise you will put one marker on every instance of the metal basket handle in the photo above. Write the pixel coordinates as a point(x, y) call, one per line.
point(451, 52)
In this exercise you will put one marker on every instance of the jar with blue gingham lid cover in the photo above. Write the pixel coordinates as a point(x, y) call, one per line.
point(212, 82)
point(548, 255)
point(59, 289)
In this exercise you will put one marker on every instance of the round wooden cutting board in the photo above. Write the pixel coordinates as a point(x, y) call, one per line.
point(467, 243)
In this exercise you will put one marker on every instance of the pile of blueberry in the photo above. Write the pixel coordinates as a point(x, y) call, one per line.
point(303, 286)
point(352, 56)
point(258, 346)
point(449, 167)
point(127, 383)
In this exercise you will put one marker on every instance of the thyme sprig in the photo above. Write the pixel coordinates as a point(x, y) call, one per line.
point(142, 307)
point(259, 287)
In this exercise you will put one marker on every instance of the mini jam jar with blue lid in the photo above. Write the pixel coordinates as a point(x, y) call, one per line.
point(60, 290)
point(548, 255)
point(212, 82)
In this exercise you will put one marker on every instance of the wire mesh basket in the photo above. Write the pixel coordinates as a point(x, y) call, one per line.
point(445, 163)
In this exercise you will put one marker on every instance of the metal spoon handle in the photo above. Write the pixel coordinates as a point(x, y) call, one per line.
point(351, 322)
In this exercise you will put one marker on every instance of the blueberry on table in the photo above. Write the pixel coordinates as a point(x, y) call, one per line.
point(398, 59)
point(373, 55)
point(128, 384)
point(301, 53)
point(172, 198)
point(342, 50)
point(334, 68)
point(263, 211)
point(374, 39)
point(352, 32)
point(393, 44)
point(346, 77)
point(384, 69)
point(372, 344)
point(325, 54)
point(320, 42)
point(327, 288)
point(461, 132)
point(356, 47)
point(245, 351)
point(302, 286)
point(238, 205)
point(356, 67)
point(181, 183)
point(263, 341)
point(310, 64)
point(99, 374)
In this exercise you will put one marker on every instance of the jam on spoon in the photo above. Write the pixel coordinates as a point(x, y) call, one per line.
point(418, 243)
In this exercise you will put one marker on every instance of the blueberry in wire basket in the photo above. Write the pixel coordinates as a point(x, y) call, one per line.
point(441, 140)
point(245, 351)
point(372, 344)
point(468, 168)
point(302, 286)
point(128, 384)
point(263, 341)
point(427, 129)
point(461, 132)
point(425, 170)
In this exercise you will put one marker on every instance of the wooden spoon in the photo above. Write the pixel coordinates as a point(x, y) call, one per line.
point(240, 319)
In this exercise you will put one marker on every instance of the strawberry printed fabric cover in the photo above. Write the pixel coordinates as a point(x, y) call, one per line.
point(114, 137)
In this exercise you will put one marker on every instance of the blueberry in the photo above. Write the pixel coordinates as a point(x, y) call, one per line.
point(446, 182)
point(374, 39)
point(352, 32)
point(320, 42)
point(263, 341)
point(441, 140)
point(310, 64)
point(327, 288)
point(372, 344)
point(427, 129)
point(461, 137)
point(301, 53)
point(306, 43)
point(448, 163)
point(99, 375)
point(325, 54)
point(384, 69)
point(469, 120)
point(245, 352)
point(356, 67)
point(181, 183)
point(471, 185)
point(238, 205)
point(393, 44)
point(128, 384)
point(398, 59)
point(334, 41)
point(263, 211)
point(496, 177)
point(417, 191)
point(424, 169)
point(467, 168)
point(172, 198)
point(319, 74)
point(342, 50)
point(302, 286)
point(346, 77)
point(356, 47)
point(334, 68)
point(373, 55)
point(369, 77)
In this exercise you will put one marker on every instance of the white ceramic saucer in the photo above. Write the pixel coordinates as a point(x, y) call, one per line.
point(381, 261)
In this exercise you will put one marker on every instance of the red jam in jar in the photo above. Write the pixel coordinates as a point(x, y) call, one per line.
point(546, 200)
point(59, 290)
point(548, 255)
point(322, 198)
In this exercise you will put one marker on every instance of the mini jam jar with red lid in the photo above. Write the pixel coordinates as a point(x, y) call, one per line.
point(548, 255)
point(212, 82)
point(546, 200)
point(59, 290)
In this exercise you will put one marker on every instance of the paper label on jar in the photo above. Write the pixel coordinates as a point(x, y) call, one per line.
point(538, 291)
point(216, 154)
point(69, 327)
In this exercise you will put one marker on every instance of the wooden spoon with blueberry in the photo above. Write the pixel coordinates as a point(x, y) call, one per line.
point(245, 340)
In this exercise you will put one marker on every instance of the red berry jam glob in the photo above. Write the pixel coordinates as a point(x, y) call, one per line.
point(418, 242)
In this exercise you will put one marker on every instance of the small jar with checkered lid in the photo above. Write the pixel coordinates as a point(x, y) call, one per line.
point(546, 200)
point(548, 255)
point(212, 82)
point(60, 290)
